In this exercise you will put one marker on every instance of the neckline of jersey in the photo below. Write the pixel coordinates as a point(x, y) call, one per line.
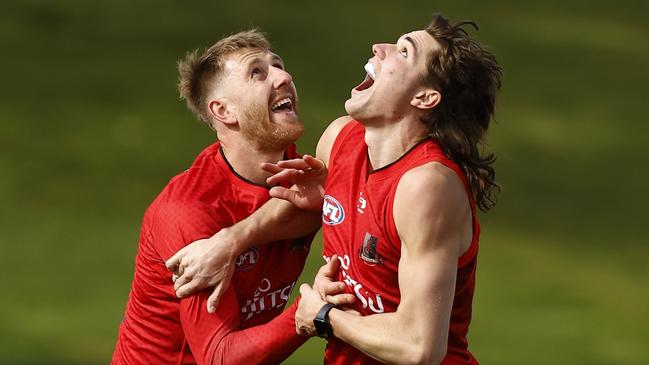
point(236, 175)
point(380, 171)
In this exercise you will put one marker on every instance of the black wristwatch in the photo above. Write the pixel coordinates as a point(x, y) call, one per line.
point(321, 321)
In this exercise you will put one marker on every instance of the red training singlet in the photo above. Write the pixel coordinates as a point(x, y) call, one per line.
point(359, 227)
point(248, 326)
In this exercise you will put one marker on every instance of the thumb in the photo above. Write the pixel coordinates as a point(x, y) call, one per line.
point(213, 299)
point(304, 289)
point(331, 267)
point(220, 289)
point(314, 163)
point(283, 193)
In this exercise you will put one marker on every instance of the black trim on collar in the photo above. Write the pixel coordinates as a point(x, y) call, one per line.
point(398, 159)
point(237, 175)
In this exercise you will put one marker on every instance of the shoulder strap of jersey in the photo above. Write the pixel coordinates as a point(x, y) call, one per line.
point(342, 137)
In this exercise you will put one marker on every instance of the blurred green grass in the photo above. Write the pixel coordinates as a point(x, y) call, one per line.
point(92, 129)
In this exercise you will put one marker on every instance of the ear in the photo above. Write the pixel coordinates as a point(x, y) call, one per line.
point(220, 112)
point(426, 99)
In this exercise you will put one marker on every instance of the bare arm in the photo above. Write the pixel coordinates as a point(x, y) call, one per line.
point(431, 211)
point(210, 262)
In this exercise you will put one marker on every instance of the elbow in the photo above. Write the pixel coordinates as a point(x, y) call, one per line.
point(420, 355)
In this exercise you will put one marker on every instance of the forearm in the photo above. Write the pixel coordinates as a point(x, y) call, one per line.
point(275, 221)
point(270, 343)
point(387, 337)
point(218, 338)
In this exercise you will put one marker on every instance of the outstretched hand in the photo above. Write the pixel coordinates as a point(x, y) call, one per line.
point(306, 174)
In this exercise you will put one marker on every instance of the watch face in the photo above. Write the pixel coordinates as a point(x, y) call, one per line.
point(320, 327)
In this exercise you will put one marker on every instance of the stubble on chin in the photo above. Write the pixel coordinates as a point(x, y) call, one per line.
point(267, 136)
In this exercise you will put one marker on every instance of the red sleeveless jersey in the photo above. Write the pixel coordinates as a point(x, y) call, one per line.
point(249, 326)
point(359, 227)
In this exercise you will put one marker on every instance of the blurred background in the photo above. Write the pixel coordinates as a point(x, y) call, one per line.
point(92, 128)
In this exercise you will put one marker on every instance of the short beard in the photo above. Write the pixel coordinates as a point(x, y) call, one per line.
point(266, 136)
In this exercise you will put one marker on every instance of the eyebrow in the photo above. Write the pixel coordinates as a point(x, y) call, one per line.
point(251, 63)
point(255, 60)
point(278, 58)
point(412, 42)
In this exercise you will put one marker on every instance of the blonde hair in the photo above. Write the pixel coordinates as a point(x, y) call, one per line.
point(198, 70)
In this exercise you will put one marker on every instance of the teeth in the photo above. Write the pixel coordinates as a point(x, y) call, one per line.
point(281, 102)
point(369, 68)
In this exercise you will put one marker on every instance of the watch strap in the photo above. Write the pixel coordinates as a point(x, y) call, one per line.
point(321, 321)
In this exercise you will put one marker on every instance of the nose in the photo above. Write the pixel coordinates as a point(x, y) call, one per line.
point(282, 78)
point(379, 50)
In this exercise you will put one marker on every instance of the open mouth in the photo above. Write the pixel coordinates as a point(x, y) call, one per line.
point(282, 105)
point(369, 78)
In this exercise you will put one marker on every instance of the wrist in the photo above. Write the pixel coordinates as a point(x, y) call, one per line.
point(251, 231)
point(234, 240)
point(322, 323)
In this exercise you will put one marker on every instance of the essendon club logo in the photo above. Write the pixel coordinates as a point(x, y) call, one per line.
point(368, 251)
point(332, 211)
point(247, 260)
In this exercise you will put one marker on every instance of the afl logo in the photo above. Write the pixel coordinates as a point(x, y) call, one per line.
point(332, 211)
point(247, 260)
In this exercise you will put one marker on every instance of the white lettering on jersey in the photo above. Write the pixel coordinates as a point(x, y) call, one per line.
point(371, 300)
point(265, 299)
point(362, 204)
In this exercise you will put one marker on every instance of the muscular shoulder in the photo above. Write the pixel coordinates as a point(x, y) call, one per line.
point(181, 213)
point(432, 181)
point(200, 181)
point(326, 142)
point(430, 197)
point(172, 224)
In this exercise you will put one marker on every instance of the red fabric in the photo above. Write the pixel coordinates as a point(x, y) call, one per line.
point(359, 227)
point(248, 326)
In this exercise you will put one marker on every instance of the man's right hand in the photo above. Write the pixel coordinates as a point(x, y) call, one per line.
point(202, 264)
point(306, 174)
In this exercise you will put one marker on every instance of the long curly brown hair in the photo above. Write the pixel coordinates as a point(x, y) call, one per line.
point(468, 77)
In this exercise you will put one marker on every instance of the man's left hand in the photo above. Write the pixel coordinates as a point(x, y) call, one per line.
point(310, 304)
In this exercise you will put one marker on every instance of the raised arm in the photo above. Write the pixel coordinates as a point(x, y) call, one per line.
point(431, 213)
point(210, 262)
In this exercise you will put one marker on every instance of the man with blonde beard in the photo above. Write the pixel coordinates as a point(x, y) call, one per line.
point(241, 90)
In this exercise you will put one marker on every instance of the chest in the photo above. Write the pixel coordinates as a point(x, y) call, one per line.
point(265, 274)
point(358, 226)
